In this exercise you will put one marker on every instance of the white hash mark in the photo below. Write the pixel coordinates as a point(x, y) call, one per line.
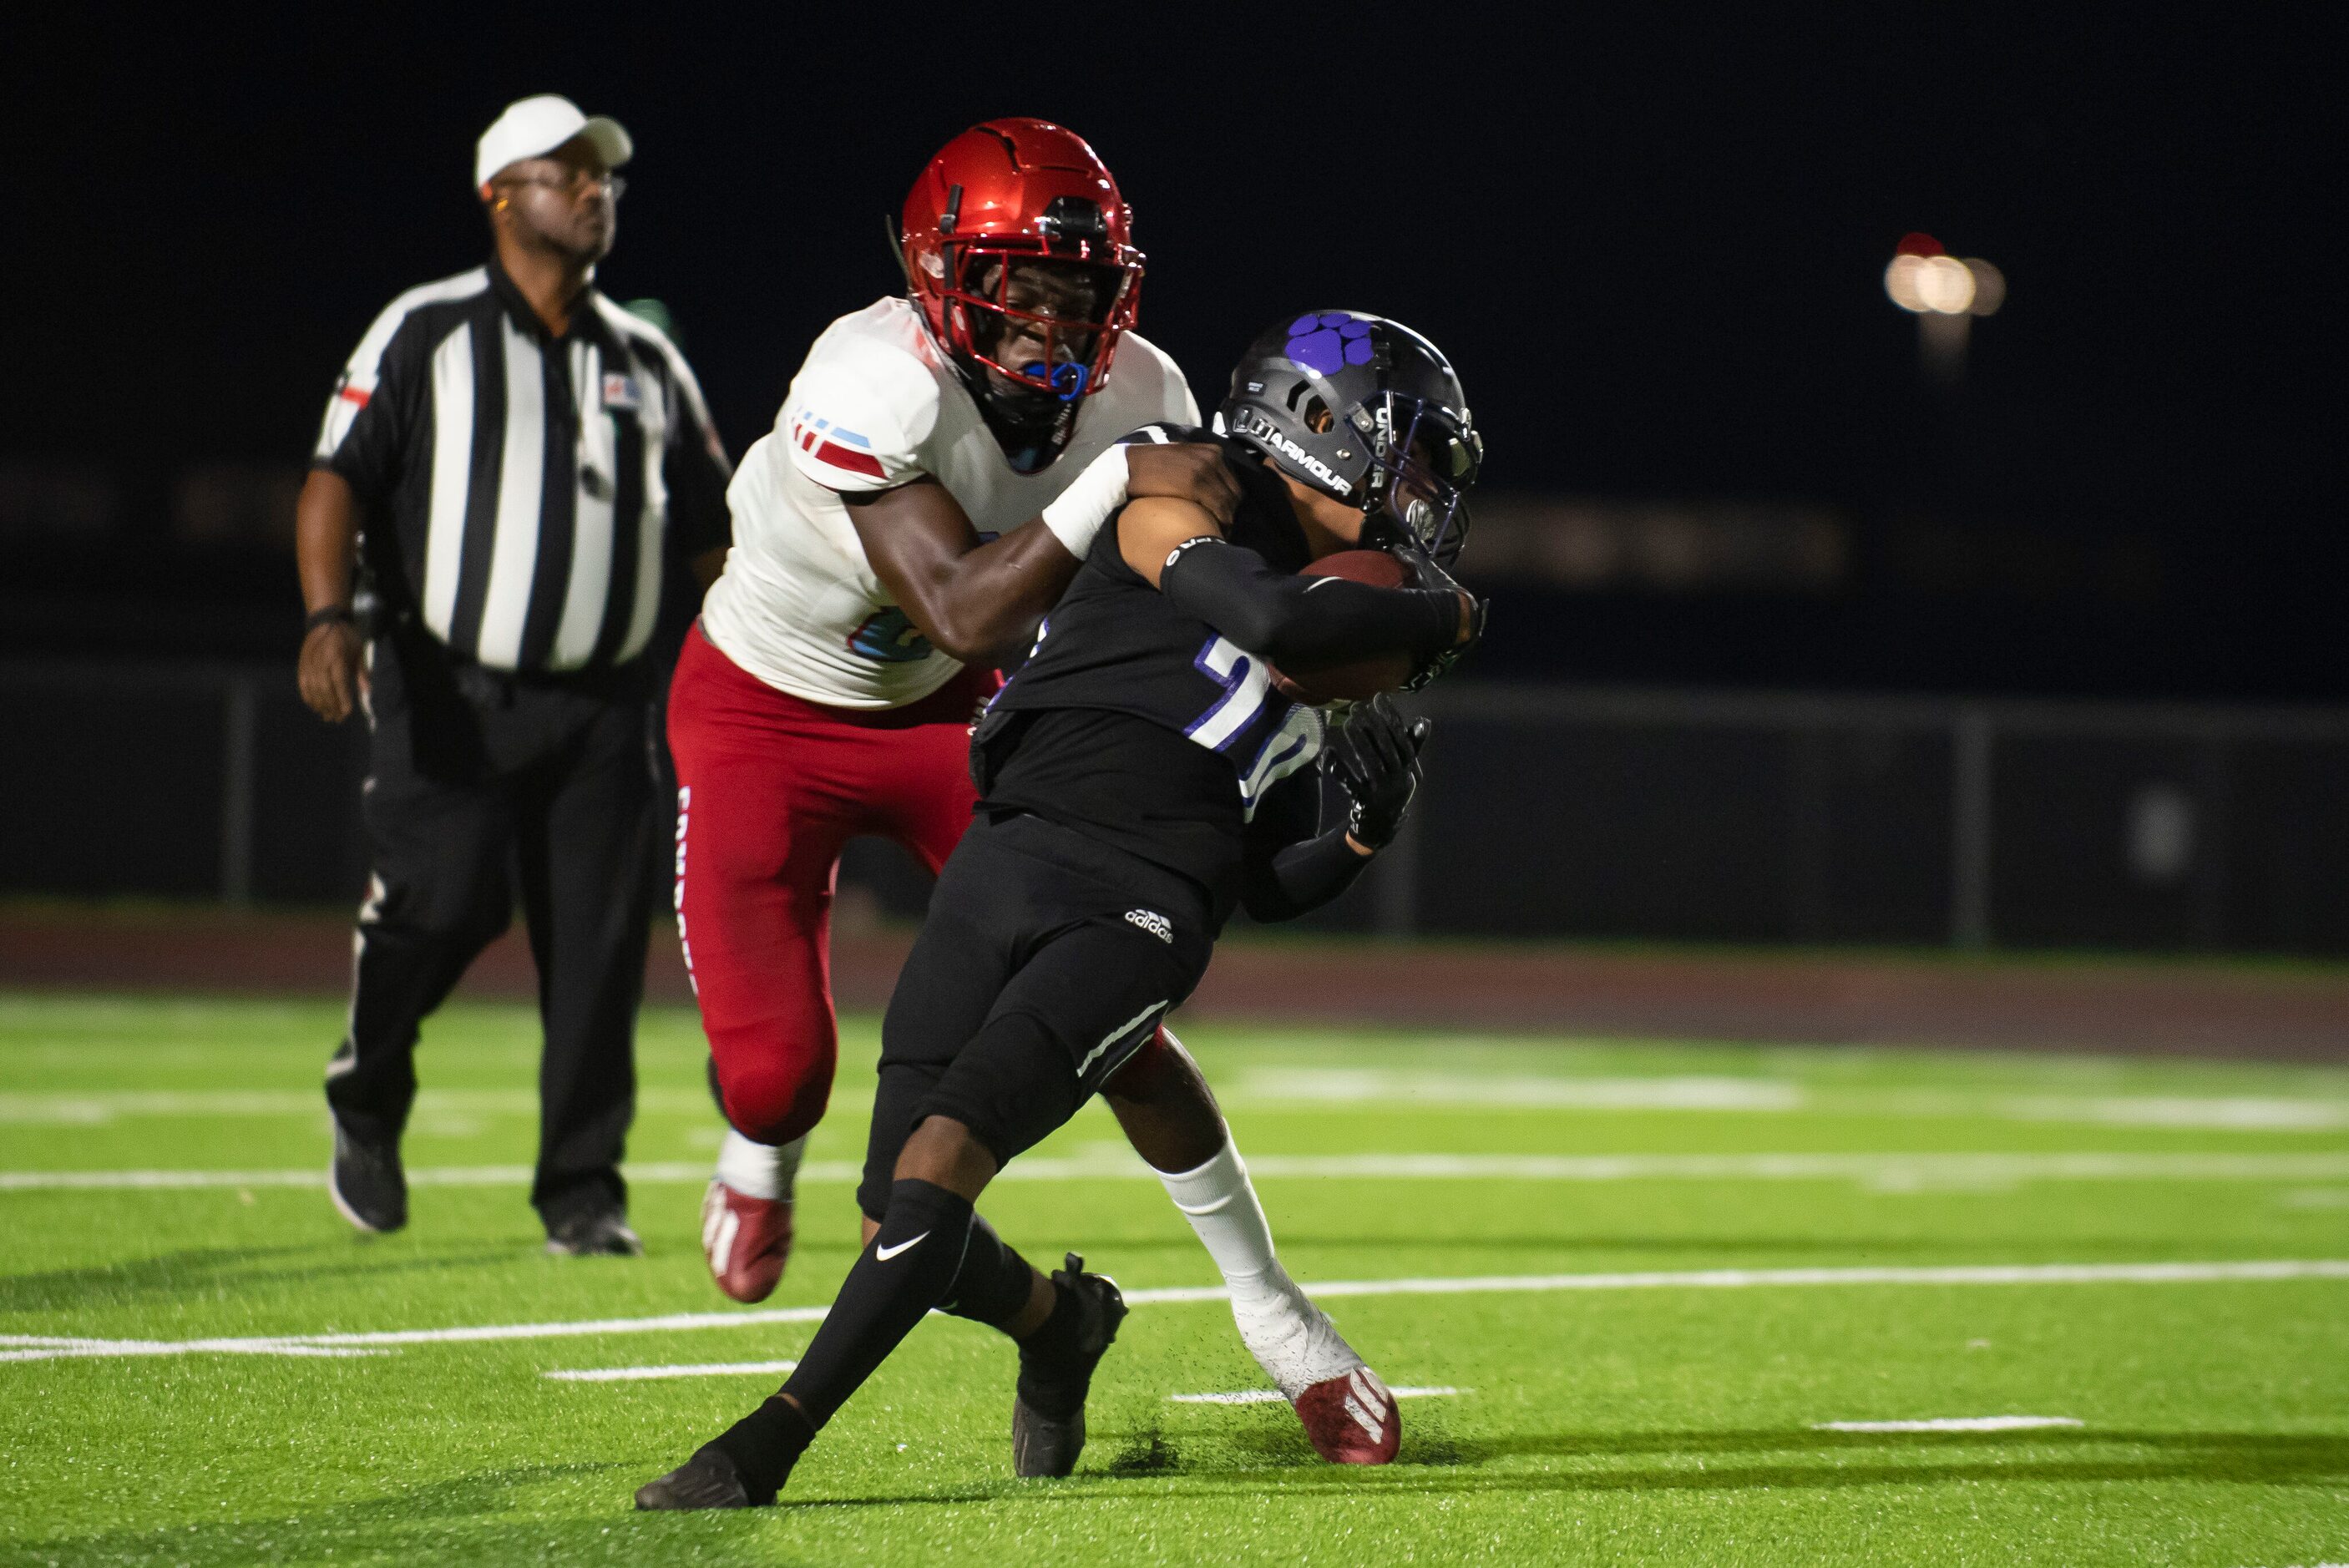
point(1950, 1424)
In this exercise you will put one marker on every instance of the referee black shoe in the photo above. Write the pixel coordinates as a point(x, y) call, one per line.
point(366, 1181)
point(1055, 1370)
point(595, 1233)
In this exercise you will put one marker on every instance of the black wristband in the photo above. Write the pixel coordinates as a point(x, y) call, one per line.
point(327, 615)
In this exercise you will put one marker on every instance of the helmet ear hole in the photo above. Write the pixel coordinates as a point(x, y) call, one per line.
point(1313, 414)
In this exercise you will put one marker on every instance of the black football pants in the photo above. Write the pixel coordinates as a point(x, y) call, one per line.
point(1046, 960)
point(480, 785)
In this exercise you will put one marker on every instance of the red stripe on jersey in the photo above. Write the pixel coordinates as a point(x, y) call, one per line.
point(358, 395)
point(855, 462)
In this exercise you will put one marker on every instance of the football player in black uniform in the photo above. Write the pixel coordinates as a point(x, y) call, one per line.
point(1140, 776)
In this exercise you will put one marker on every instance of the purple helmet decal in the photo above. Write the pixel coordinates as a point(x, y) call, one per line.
point(1327, 340)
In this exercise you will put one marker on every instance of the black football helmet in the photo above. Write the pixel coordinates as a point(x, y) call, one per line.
point(1367, 410)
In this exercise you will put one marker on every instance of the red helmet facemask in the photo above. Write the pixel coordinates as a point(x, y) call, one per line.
point(1017, 250)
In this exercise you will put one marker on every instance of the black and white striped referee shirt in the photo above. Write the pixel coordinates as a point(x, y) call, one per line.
point(531, 484)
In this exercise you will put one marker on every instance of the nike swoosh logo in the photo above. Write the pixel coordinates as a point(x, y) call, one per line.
point(885, 1253)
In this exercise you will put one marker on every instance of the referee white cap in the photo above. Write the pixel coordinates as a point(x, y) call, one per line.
point(534, 126)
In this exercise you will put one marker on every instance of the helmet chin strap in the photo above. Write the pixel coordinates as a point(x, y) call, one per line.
point(1031, 426)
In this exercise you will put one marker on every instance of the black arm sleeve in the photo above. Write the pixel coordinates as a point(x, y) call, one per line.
point(1303, 621)
point(1289, 869)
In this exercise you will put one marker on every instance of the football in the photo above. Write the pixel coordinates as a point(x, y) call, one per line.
point(1357, 678)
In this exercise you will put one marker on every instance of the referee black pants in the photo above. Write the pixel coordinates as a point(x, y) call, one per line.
point(480, 785)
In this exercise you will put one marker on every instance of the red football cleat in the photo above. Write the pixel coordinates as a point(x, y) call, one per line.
point(746, 1241)
point(1352, 1419)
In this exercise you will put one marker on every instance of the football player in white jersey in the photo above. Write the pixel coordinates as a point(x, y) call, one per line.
point(939, 469)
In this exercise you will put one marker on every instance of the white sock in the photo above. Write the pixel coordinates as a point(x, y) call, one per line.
point(760, 1170)
point(1293, 1340)
point(1221, 1204)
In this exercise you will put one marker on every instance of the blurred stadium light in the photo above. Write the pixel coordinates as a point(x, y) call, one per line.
point(49, 502)
point(1944, 293)
point(1665, 547)
point(227, 503)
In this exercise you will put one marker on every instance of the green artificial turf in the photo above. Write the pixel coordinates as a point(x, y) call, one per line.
point(1666, 1423)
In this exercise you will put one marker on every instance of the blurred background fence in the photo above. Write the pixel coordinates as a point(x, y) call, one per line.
point(1560, 811)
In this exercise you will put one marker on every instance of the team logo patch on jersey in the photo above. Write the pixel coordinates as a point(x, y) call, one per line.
point(621, 392)
point(889, 636)
point(1151, 920)
point(835, 444)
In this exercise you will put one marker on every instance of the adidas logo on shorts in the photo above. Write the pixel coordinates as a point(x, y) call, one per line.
point(1151, 920)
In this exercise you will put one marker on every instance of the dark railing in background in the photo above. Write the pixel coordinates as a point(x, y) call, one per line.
point(1548, 811)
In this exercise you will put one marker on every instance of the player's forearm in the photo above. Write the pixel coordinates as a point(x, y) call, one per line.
point(326, 538)
point(1300, 878)
point(1304, 620)
point(987, 599)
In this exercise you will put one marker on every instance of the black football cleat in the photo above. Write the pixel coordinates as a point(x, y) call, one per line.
point(708, 1480)
point(1048, 1445)
point(366, 1181)
point(595, 1233)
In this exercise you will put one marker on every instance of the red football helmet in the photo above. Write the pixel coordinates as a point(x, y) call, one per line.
point(1014, 188)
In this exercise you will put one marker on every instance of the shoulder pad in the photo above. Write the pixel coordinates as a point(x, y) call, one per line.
point(858, 413)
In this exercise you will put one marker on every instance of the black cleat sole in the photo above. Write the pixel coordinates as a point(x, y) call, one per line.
point(708, 1480)
point(1042, 1446)
point(1046, 1446)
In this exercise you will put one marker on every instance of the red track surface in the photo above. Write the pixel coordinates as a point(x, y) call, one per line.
point(2141, 1005)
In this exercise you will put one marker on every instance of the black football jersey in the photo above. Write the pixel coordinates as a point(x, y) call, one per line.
point(1142, 726)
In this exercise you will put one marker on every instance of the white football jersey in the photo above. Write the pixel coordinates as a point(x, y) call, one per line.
point(875, 405)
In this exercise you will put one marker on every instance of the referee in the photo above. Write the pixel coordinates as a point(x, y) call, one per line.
point(507, 464)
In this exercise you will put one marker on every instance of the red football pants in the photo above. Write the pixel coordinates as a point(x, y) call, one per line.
point(769, 787)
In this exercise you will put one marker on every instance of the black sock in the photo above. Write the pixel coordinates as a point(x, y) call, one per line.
point(1049, 1381)
point(912, 1258)
point(995, 1280)
point(765, 1444)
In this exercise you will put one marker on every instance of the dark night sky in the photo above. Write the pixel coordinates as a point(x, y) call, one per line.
point(1653, 247)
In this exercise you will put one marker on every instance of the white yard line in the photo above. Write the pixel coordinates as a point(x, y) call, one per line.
point(1369, 1086)
point(36, 1348)
point(1897, 1172)
point(671, 1321)
point(1349, 1089)
point(646, 1374)
point(1275, 1397)
point(83, 1108)
point(1950, 1424)
point(42, 1348)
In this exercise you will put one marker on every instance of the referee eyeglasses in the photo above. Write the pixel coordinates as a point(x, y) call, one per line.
point(578, 182)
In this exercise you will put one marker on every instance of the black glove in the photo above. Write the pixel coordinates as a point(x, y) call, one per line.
point(1374, 756)
point(1426, 575)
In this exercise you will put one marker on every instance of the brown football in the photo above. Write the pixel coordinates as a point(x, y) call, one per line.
point(1357, 678)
